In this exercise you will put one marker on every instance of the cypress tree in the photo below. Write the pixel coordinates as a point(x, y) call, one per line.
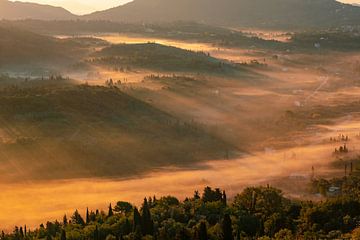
point(137, 219)
point(227, 230)
point(87, 216)
point(77, 219)
point(138, 235)
point(203, 231)
point(127, 227)
point(110, 211)
point(63, 235)
point(21, 232)
point(147, 223)
point(224, 199)
point(65, 221)
point(96, 233)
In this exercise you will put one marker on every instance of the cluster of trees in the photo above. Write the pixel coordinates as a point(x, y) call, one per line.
point(340, 138)
point(256, 213)
point(341, 150)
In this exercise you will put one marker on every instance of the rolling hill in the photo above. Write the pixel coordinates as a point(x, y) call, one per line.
point(158, 57)
point(22, 10)
point(19, 47)
point(68, 131)
point(245, 13)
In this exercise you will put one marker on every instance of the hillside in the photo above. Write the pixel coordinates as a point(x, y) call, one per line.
point(21, 10)
point(158, 57)
point(245, 13)
point(19, 48)
point(56, 132)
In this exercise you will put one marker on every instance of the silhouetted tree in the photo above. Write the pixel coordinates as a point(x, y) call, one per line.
point(63, 235)
point(110, 213)
point(210, 195)
point(127, 227)
point(96, 233)
point(137, 219)
point(196, 195)
point(203, 231)
point(65, 221)
point(123, 207)
point(87, 216)
point(77, 219)
point(224, 198)
point(227, 230)
point(147, 223)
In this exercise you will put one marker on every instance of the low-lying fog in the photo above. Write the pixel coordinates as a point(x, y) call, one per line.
point(38, 202)
point(291, 81)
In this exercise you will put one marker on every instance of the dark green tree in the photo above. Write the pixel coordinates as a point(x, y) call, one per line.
point(210, 195)
point(21, 232)
point(224, 198)
point(123, 207)
point(77, 219)
point(227, 230)
point(127, 227)
point(110, 213)
point(87, 216)
point(96, 233)
point(147, 226)
point(137, 220)
point(65, 221)
point(203, 231)
point(63, 235)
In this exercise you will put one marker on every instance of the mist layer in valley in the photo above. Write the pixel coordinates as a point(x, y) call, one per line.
point(111, 114)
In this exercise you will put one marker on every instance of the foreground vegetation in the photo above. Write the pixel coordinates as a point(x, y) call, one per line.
point(256, 213)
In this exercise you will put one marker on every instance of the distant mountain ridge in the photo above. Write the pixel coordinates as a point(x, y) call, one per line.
point(246, 13)
point(23, 10)
point(230, 13)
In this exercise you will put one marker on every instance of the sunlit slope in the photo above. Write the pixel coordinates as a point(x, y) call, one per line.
point(84, 131)
point(22, 47)
point(19, 47)
point(159, 57)
point(249, 13)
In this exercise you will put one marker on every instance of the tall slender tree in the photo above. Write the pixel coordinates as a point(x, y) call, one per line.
point(21, 233)
point(147, 223)
point(203, 231)
point(65, 221)
point(96, 233)
point(224, 198)
point(137, 219)
point(110, 213)
point(63, 235)
point(227, 230)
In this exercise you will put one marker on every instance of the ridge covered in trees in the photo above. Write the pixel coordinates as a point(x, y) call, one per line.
point(256, 213)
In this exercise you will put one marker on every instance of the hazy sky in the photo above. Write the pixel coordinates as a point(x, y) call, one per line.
point(86, 6)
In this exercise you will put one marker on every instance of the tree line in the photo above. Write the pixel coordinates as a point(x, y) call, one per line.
point(256, 213)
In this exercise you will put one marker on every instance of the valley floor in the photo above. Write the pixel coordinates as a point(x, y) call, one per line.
point(278, 116)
